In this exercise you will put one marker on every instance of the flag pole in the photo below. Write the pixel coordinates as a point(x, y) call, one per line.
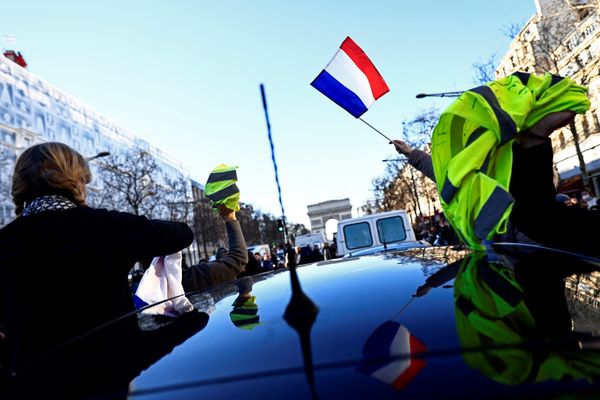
point(375, 129)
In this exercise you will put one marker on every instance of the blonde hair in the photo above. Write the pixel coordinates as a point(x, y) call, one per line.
point(50, 169)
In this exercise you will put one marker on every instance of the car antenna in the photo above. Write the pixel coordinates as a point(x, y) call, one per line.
point(301, 312)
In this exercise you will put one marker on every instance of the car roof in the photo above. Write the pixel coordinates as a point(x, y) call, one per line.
point(248, 343)
point(397, 246)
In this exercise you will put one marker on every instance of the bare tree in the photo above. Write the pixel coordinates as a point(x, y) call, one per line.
point(485, 70)
point(296, 229)
point(6, 169)
point(512, 30)
point(129, 182)
point(209, 229)
point(401, 187)
point(249, 224)
point(175, 199)
point(557, 39)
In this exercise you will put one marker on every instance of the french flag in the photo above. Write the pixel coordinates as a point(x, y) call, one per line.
point(390, 355)
point(351, 80)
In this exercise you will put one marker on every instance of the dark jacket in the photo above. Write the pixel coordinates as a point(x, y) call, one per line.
point(537, 213)
point(227, 268)
point(422, 162)
point(65, 272)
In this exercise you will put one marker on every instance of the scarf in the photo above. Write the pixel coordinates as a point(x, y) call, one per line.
point(47, 203)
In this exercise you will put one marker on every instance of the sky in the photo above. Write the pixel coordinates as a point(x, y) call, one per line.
point(185, 74)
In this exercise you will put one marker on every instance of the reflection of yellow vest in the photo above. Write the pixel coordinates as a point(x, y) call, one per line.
point(490, 312)
point(493, 321)
point(472, 147)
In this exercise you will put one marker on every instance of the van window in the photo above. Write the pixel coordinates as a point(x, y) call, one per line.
point(358, 235)
point(391, 230)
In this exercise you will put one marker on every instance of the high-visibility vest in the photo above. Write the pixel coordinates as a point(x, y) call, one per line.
point(472, 147)
point(221, 188)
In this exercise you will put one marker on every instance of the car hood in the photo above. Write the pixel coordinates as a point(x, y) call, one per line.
point(511, 324)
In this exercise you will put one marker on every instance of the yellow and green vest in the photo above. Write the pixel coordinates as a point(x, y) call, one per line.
point(221, 188)
point(472, 147)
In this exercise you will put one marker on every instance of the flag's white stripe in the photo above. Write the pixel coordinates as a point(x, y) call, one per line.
point(391, 371)
point(399, 346)
point(401, 342)
point(342, 68)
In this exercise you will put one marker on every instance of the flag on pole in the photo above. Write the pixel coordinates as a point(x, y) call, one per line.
point(351, 80)
point(389, 355)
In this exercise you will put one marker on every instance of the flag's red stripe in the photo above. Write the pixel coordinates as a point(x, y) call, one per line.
point(362, 61)
point(416, 346)
point(416, 364)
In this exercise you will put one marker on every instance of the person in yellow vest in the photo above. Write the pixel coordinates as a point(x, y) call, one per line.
point(495, 137)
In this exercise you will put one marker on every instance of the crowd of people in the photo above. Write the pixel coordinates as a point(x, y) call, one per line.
point(287, 256)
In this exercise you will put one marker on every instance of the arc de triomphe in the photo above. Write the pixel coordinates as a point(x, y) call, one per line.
point(320, 213)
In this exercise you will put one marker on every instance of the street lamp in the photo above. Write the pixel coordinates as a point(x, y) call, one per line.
point(99, 155)
point(444, 94)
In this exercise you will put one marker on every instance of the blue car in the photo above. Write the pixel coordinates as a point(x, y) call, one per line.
point(425, 323)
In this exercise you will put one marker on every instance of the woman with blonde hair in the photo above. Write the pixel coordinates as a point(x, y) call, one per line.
point(64, 265)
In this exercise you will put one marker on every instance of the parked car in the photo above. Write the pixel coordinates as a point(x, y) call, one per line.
point(424, 323)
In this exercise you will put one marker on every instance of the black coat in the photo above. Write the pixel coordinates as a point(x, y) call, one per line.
point(536, 212)
point(65, 272)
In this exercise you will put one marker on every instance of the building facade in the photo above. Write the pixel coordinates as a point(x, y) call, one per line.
point(563, 38)
point(33, 111)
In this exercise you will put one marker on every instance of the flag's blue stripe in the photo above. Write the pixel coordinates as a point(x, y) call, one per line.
point(339, 94)
point(377, 347)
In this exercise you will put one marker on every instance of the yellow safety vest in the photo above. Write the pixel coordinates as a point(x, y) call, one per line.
point(472, 147)
point(221, 188)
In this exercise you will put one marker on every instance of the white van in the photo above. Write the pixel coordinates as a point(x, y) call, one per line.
point(310, 239)
point(380, 231)
point(259, 248)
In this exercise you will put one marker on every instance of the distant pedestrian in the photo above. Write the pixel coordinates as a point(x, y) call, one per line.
point(333, 249)
point(267, 263)
point(290, 256)
point(316, 254)
point(305, 255)
point(326, 251)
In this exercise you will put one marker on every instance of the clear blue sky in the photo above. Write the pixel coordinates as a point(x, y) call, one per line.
point(185, 76)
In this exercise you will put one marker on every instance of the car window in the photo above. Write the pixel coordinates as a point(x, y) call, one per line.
point(358, 235)
point(391, 230)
